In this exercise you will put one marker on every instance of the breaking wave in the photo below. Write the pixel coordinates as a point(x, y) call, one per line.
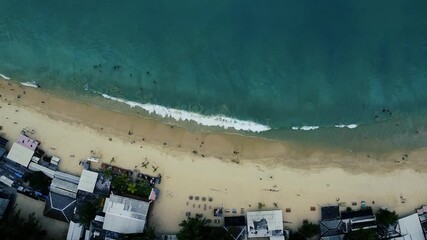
point(182, 115)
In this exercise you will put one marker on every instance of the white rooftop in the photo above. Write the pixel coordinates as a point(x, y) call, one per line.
point(410, 228)
point(75, 231)
point(63, 187)
point(265, 223)
point(87, 181)
point(125, 215)
point(20, 154)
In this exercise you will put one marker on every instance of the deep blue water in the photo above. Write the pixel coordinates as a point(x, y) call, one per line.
point(280, 63)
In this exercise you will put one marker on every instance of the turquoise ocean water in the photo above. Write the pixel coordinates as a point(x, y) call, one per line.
point(276, 64)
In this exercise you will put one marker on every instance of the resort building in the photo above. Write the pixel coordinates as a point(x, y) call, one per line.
point(59, 207)
point(331, 225)
point(125, 215)
point(87, 181)
point(236, 227)
point(75, 231)
point(360, 219)
point(410, 228)
point(265, 224)
point(23, 150)
point(422, 215)
point(61, 201)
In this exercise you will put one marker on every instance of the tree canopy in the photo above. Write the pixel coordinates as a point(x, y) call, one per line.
point(38, 181)
point(297, 236)
point(196, 229)
point(365, 234)
point(17, 227)
point(386, 218)
point(88, 212)
point(192, 228)
point(308, 229)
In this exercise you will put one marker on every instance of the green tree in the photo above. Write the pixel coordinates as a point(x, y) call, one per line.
point(38, 181)
point(88, 212)
point(297, 236)
point(192, 228)
point(131, 188)
point(108, 172)
point(308, 229)
point(261, 205)
point(386, 218)
point(365, 234)
point(120, 183)
point(148, 234)
point(17, 227)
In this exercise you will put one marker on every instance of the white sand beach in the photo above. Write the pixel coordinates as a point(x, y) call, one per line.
point(300, 177)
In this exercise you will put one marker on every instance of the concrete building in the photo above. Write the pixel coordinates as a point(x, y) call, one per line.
point(265, 224)
point(87, 181)
point(410, 228)
point(125, 215)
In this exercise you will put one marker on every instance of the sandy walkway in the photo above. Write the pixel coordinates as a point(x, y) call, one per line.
point(302, 178)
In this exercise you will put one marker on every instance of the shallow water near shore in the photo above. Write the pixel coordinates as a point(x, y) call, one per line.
point(276, 64)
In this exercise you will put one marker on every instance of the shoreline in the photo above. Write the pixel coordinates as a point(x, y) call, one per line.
point(303, 176)
point(133, 127)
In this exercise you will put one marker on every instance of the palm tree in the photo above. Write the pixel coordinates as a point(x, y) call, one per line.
point(261, 205)
point(192, 228)
point(132, 188)
point(113, 160)
point(386, 218)
point(308, 229)
point(17, 227)
point(88, 212)
point(276, 205)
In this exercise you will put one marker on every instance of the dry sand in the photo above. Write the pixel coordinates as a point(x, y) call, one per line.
point(303, 177)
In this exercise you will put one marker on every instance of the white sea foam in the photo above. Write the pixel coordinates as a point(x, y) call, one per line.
point(30, 84)
point(306, 128)
point(351, 126)
point(4, 77)
point(181, 115)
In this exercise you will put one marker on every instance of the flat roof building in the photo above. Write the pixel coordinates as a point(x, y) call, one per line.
point(125, 215)
point(75, 231)
point(87, 181)
point(410, 228)
point(63, 187)
point(20, 154)
point(265, 224)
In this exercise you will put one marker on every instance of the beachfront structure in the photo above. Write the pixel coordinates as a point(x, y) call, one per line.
point(236, 227)
point(265, 224)
point(27, 142)
point(63, 187)
point(20, 154)
point(360, 219)
point(410, 228)
point(87, 181)
point(125, 215)
point(75, 231)
point(40, 168)
point(23, 150)
point(61, 201)
point(59, 207)
point(331, 225)
point(422, 215)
